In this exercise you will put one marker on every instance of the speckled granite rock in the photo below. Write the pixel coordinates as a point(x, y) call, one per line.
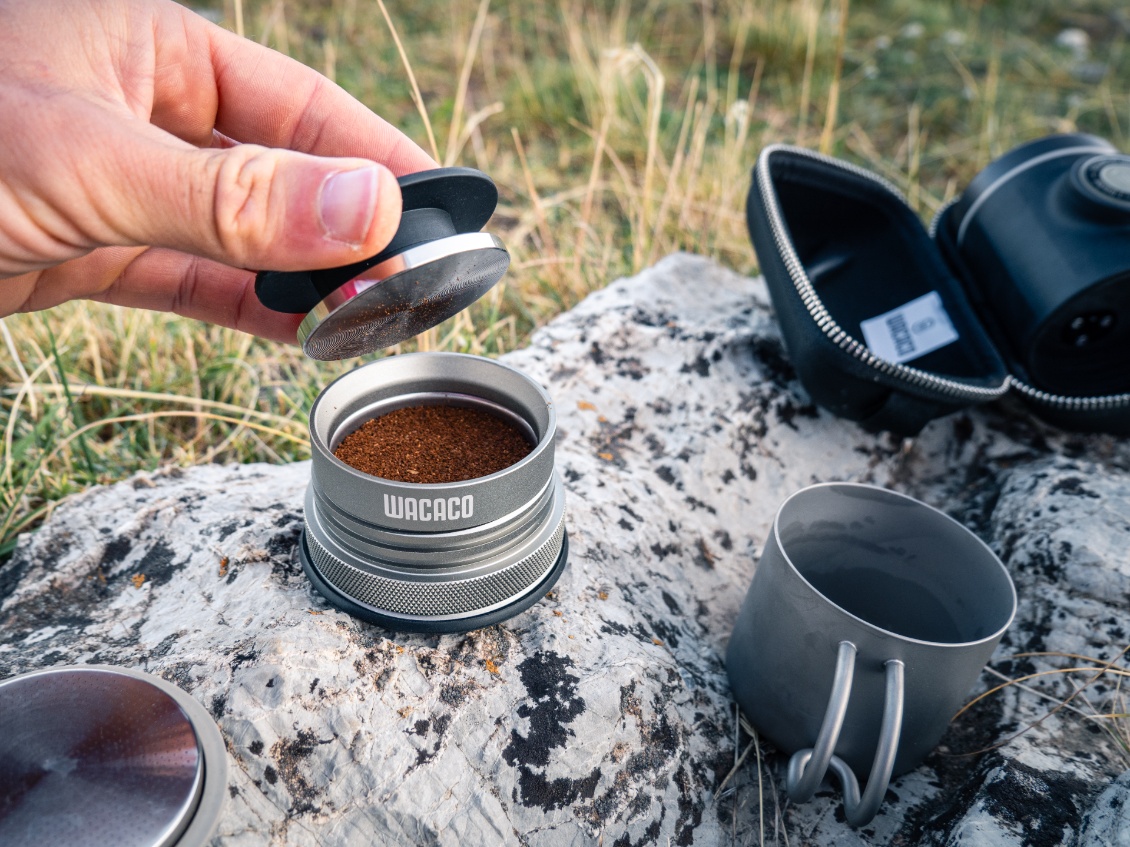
point(602, 716)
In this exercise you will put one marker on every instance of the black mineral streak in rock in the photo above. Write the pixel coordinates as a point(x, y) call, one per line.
point(1045, 805)
point(1073, 486)
point(632, 368)
point(157, 565)
point(700, 366)
point(11, 572)
point(650, 836)
point(281, 545)
point(291, 754)
point(627, 510)
point(671, 603)
point(959, 778)
point(553, 705)
point(439, 726)
point(116, 551)
point(774, 361)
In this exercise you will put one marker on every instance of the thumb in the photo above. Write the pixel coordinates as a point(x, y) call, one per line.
point(256, 207)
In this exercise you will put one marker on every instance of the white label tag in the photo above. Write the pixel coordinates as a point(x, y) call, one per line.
point(910, 331)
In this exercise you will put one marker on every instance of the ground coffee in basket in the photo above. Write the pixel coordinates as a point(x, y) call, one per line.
point(429, 444)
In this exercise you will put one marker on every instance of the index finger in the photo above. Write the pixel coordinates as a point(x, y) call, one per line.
point(210, 79)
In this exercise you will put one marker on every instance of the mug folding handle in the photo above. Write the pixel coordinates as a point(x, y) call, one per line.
point(807, 767)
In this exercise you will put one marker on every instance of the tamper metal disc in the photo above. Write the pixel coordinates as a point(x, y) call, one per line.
point(403, 296)
point(436, 265)
point(104, 757)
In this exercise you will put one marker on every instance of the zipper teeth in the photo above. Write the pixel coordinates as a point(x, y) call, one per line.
point(936, 221)
point(824, 321)
point(1055, 401)
point(1102, 402)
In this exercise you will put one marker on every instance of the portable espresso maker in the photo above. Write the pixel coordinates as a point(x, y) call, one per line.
point(423, 557)
point(1021, 285)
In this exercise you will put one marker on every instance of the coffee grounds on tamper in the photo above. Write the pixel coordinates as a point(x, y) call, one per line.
point(429, 444)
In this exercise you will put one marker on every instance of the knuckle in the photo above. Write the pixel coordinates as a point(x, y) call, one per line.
point(242, 207)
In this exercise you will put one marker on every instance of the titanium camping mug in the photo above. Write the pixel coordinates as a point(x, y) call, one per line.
point(869, 618)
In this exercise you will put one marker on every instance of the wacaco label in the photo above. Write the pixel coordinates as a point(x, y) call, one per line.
point(429, 509)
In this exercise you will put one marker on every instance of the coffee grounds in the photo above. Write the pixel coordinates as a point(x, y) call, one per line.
point(430, 444)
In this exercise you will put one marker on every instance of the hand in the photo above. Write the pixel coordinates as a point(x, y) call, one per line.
point(141, 163)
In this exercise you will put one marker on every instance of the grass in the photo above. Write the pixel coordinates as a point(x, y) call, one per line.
point(617, 132)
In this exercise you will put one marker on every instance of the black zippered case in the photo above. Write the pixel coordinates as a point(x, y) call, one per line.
point(850, 267)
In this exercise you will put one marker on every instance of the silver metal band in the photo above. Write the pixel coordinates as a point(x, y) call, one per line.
point(451, 598)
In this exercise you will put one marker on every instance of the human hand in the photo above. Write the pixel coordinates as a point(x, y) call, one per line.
point(142, 163)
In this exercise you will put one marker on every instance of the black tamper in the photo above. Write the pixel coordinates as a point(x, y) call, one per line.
point(437, 264)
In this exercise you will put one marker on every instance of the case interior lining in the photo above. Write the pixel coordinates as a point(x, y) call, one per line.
point(866, 253)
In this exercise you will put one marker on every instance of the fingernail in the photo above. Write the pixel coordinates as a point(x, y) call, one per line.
point(348, 204)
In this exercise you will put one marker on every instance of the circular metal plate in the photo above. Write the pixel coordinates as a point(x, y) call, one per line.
point(100, 757)
point(1107, 179)
point(401, 297)
point(1115, 177)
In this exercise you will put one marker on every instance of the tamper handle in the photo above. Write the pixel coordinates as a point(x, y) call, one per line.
point(437, 203)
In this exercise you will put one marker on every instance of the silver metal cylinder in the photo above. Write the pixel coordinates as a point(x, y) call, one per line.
point(447, 557)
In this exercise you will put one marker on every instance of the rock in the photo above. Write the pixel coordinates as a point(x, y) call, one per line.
point(1108, 822)
point(602, 715)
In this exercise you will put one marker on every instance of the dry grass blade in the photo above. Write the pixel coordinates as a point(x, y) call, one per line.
point(148, 417)
point(1105, 668)
point(737, 766)
point(834, 89)
point(454, 133)
point(1034, 691)
point(80, 389)
point(417, 97)
point(1014, 681)
point(152, 416)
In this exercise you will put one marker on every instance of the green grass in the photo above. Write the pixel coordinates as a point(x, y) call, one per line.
point(617, 132)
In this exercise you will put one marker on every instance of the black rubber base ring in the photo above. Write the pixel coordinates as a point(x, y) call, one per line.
point(396, 624)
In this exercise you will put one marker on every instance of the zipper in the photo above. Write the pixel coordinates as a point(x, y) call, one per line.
point(936, 221)
point(1102, 402)
point(816, 310)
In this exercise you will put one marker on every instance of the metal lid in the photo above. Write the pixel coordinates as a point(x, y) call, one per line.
point(105, 757)
point(1105, 180)
point(437, 264)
